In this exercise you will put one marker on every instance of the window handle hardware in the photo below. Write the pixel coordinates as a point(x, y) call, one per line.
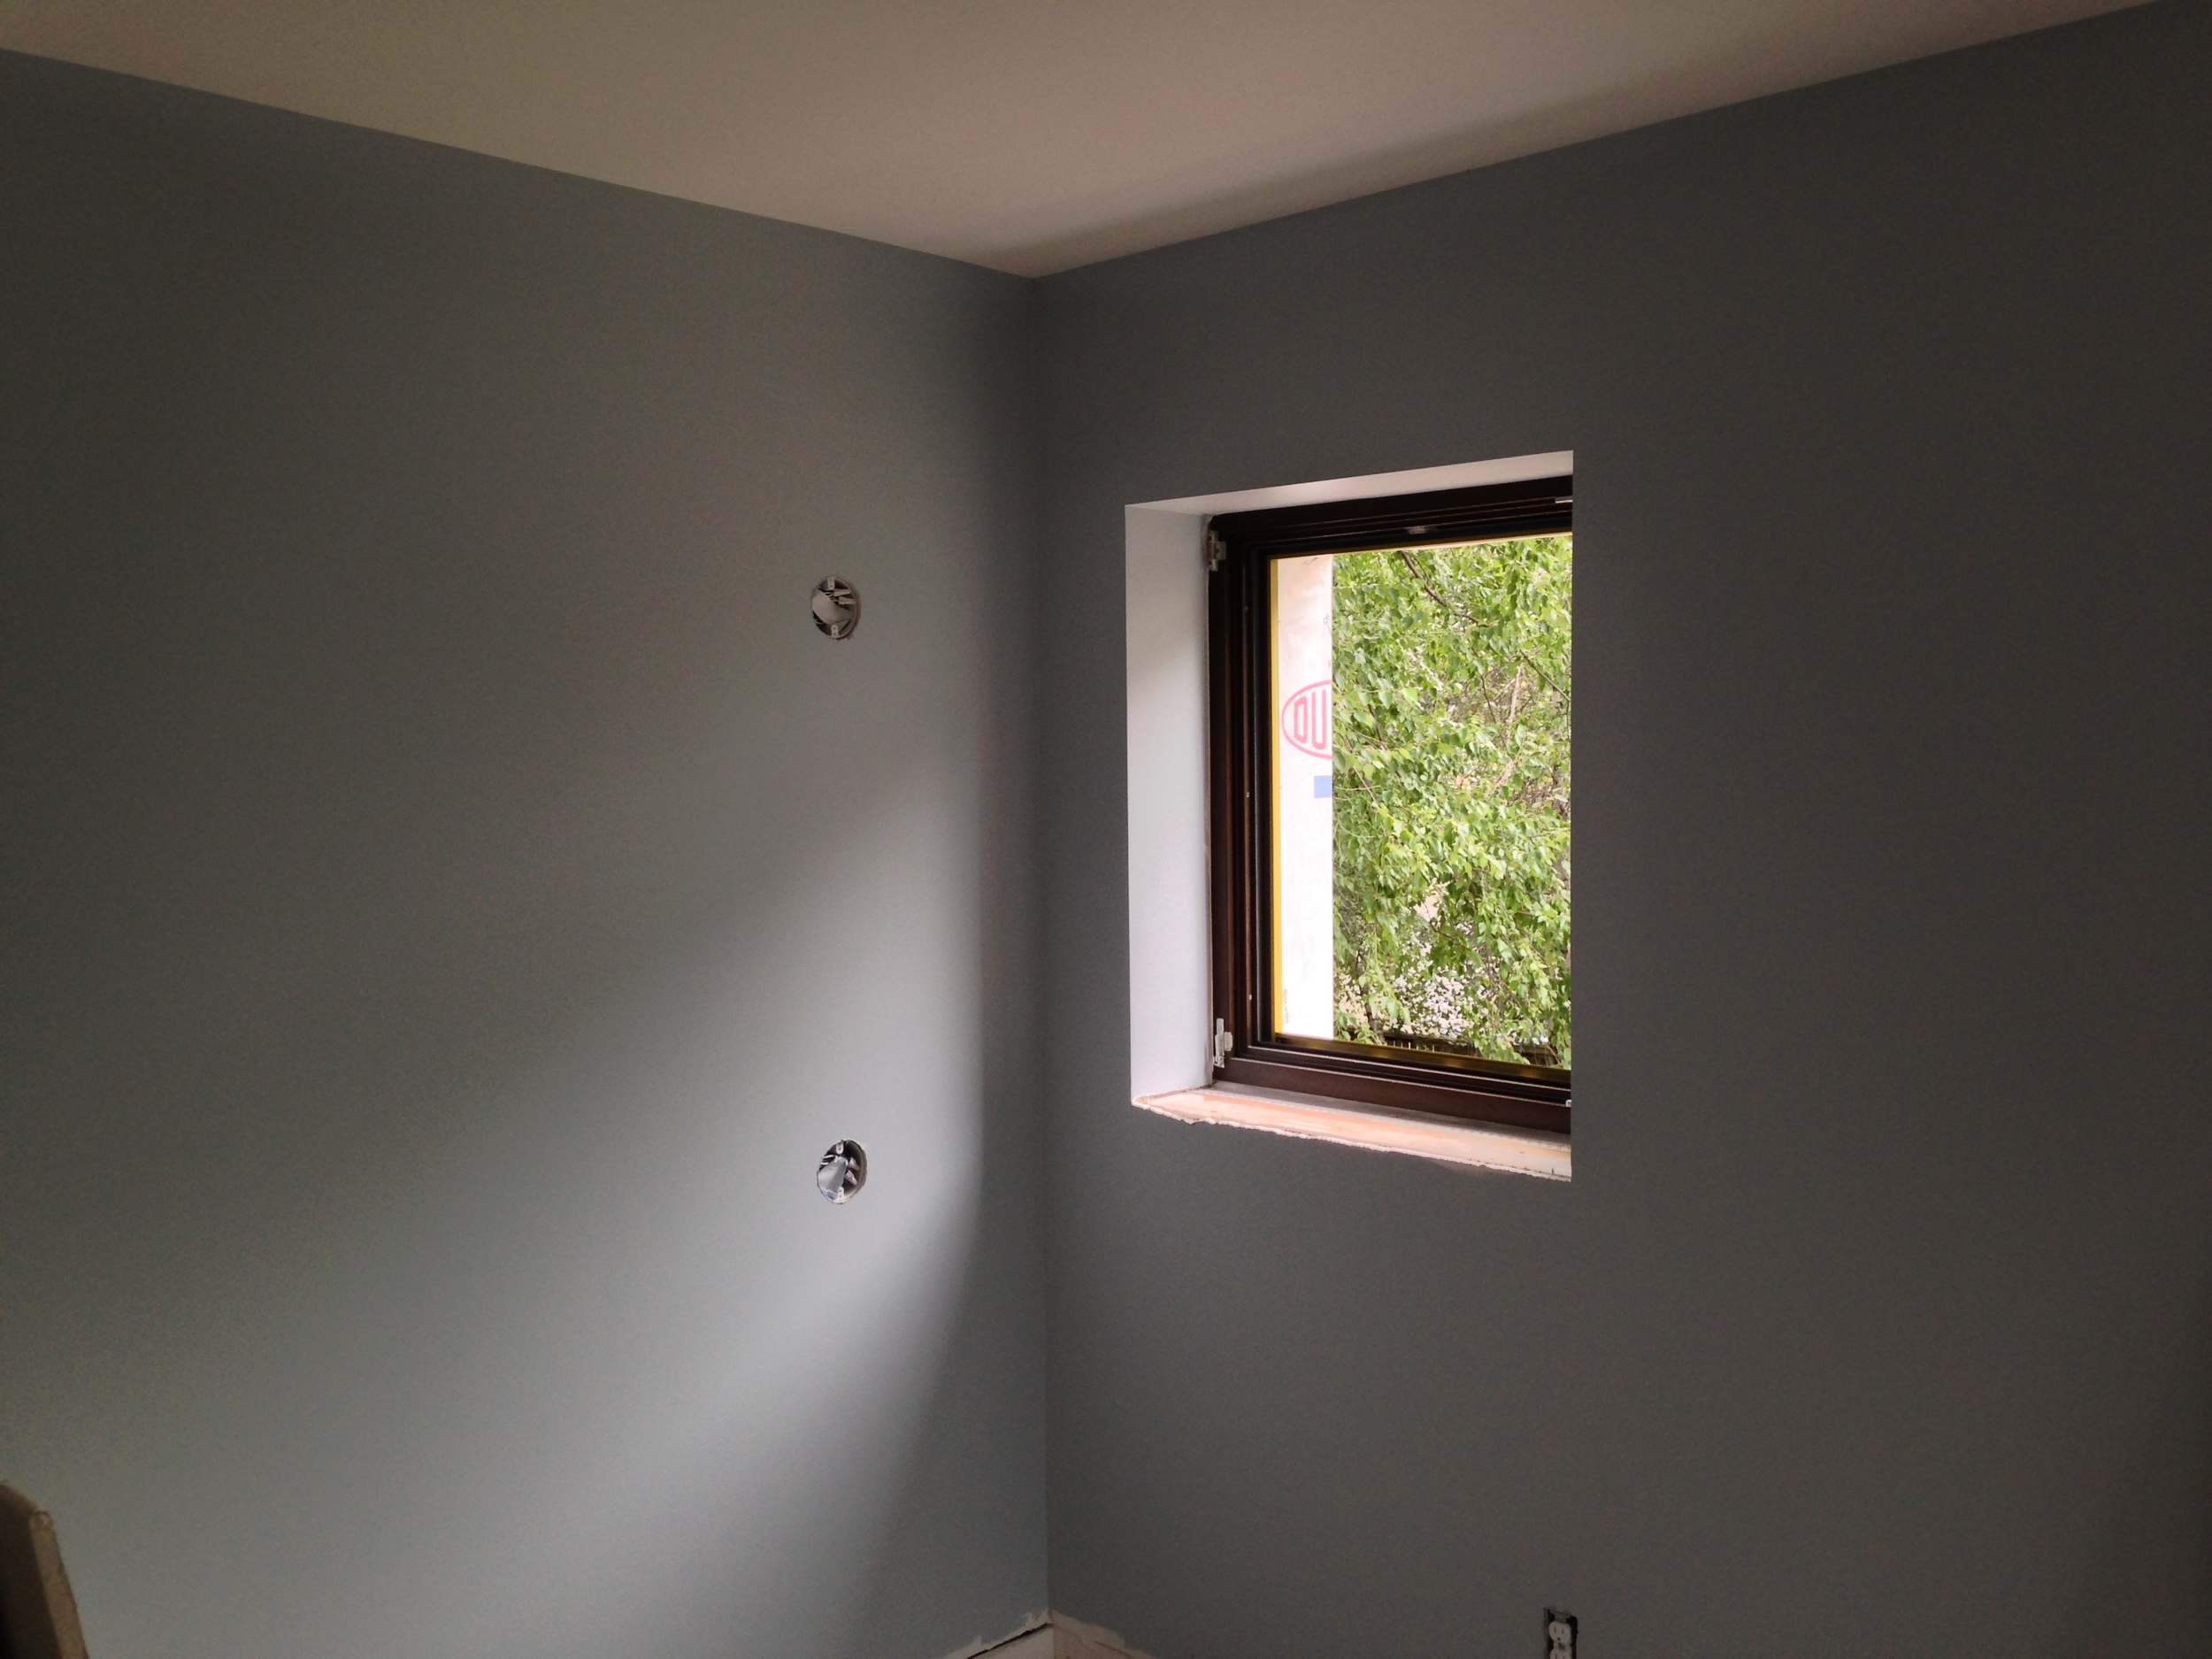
point(1223, 1043)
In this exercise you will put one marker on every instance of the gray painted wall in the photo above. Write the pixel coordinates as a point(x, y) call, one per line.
point(1877, 1319)
point(453, 896)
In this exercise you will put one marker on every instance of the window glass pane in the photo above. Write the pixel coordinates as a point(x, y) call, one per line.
point(1424, 713)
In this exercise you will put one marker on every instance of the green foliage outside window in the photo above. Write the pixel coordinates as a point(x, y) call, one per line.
point(1453, 715)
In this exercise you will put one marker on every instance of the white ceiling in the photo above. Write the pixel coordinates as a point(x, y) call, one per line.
point(1027, 134)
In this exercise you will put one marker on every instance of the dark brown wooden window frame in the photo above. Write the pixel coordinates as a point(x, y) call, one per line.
point(1240, 720)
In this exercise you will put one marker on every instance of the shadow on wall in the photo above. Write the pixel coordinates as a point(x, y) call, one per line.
point(2170, 1453)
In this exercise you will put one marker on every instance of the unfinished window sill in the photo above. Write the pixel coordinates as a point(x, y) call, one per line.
point(1372, 1128)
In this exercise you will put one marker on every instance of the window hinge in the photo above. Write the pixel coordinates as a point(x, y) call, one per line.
point(1223, 1043)
point(1217, 549)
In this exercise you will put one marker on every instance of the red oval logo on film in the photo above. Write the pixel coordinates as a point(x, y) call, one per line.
point(1306, 719)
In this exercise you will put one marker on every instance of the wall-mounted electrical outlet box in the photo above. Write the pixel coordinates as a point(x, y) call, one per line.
point(1559, 1633)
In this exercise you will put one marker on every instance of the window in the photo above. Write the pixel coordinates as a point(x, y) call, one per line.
point(1389, 753)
